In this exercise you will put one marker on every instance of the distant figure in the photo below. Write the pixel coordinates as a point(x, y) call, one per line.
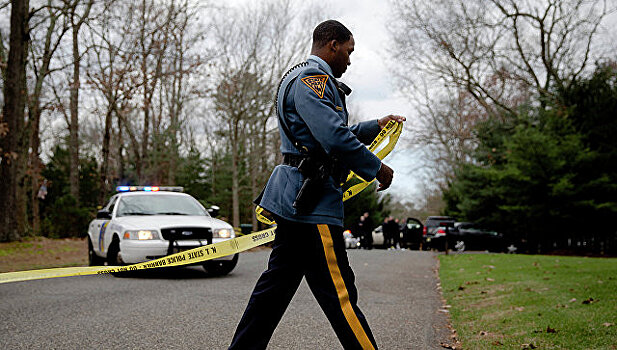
point(396, 242)
point(387, 237)
point(391, 232)
point(366, 231)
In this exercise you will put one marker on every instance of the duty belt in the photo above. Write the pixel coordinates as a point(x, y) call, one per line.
point(292, 159)
point(335, 170)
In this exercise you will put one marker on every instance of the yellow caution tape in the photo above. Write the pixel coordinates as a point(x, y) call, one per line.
point(263, 216)
point(196, 255)
point(392, 131)
point(210, 251)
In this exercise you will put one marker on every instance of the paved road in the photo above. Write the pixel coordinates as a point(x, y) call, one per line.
point(186, 309)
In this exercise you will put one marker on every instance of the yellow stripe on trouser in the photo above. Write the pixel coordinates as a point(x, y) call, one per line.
point(341, 290)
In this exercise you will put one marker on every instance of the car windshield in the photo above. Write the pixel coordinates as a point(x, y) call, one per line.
point(159, 204)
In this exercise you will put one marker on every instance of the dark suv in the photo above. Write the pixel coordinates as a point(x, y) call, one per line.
point(434, 233)
point(471, 236)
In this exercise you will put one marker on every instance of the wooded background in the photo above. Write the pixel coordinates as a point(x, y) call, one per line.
point(514, 109)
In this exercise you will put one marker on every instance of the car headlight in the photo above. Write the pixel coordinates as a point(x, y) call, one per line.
point(221, 233)
point(141, 235)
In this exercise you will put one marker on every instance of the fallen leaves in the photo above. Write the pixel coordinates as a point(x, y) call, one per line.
point(589, 301)
point(548, 329)
point(449, 346)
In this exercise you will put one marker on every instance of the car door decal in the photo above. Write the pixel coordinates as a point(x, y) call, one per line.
point(102, 234)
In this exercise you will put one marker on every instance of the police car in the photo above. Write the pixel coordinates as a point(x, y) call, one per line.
point(142, 223)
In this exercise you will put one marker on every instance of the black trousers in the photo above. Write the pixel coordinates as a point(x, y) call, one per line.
point(316, 252)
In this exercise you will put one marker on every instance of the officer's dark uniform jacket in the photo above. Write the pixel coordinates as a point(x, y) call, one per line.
point(314, 110)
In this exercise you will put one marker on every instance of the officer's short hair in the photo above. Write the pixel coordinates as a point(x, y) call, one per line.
point(328, 31)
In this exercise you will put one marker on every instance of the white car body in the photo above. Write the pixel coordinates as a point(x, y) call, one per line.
point(378, 238)
point(102, 232)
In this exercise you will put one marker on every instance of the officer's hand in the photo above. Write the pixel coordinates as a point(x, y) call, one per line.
point(384, 176)
point(383, 121)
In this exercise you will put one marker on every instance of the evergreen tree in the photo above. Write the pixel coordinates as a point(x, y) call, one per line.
point(542, 177)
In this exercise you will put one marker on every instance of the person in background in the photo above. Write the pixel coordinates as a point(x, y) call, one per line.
point(387, 237)
point(391, 231)
point(367, 231)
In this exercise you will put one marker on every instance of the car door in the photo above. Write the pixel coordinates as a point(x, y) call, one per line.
point(99, 229)
point(412, 232)
point(378, 238)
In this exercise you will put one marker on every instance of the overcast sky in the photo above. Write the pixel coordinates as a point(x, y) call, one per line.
point(374, 93)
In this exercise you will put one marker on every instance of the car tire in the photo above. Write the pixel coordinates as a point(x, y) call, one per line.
point(114, 258)
point(93, 259)
point(221, 267)
point(113, 254)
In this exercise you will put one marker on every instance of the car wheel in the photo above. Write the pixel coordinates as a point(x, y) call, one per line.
point(93, 259)
point(114, 258)
point(221, 267)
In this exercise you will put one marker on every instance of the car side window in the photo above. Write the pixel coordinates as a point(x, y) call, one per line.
point(112, 204)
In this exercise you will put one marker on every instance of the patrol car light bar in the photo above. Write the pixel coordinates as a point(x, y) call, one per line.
point(149, 188)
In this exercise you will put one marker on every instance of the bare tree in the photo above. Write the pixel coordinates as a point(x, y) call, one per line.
point(160, 41)
point(181, 86)
point(111, 74)
point(257, 44)
point(485, 47)
point(466, 61)
point(51, 27)
point(76, 20)
point(12, 150)
point(444, 130)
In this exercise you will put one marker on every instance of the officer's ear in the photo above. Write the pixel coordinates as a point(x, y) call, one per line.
point(333, 45)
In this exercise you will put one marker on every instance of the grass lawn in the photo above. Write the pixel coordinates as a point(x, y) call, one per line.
point(500, 301)
point(42, 253)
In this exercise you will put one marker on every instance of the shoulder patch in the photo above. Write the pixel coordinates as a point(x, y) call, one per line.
point(317, 83)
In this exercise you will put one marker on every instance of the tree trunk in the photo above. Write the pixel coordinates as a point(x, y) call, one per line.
point(34, 119)
point(253, 164)
point(74, 125)
point(12, 124)
point(35, 166)
point(105, 153)
point(144, 139)
point(120, 150)
point(235, 183)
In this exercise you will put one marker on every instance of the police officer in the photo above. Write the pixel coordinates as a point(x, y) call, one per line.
point(309, 214)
